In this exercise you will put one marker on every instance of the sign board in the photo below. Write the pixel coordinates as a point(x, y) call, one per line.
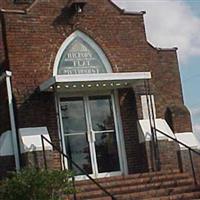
point(80, 58)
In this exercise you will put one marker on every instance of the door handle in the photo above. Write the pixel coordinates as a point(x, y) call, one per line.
point(88, 136)
point(93, 136)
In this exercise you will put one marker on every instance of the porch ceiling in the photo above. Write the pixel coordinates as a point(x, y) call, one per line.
point(94, 81)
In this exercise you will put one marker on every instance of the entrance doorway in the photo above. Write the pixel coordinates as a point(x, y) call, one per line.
point(90, 134)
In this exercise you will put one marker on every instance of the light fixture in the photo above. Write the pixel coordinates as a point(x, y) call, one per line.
point(77, 5)
point(78, 8)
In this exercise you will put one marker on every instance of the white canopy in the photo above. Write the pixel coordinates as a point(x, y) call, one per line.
point(94, 81)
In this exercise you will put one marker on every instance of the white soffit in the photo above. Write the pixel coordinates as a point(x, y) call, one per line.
point(31, 139)
point(104, 80)
point(145, 131)
point(189, 139)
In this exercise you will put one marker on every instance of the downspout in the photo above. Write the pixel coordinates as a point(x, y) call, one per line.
point(8, 75)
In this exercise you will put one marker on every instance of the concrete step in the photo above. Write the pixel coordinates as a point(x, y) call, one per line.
point(161, 188)
point(183, 196)
point(131, 176)
point(126, 182)
point(163, 185)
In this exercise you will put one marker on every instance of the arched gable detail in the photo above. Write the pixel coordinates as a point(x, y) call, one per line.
point(79, 54)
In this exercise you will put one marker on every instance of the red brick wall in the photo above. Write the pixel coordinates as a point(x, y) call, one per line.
point(33, 40)
point(168, 155)
point(186, 163)
point(178, 117)
point(36, 160)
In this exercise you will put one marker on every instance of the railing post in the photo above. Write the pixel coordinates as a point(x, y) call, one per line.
point(74, 186)
point(192, 165)
point(43, 152)
point(156, 154)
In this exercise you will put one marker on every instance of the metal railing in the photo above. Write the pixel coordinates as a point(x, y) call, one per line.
point(190, 150)
point(74, 164)
point(154, 130)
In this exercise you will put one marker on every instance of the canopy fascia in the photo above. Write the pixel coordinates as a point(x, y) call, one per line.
point(104, 80)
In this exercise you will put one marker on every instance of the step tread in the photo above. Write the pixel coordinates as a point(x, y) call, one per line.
point(183, 196)
point(140, 189)
point(163, 185)
point(130, 176)
point(159, 193)
point(131, 182)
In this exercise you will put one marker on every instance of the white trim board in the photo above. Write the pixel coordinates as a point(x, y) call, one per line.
point(104, 78)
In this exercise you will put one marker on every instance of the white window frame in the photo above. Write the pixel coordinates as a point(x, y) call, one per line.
point(119, 132)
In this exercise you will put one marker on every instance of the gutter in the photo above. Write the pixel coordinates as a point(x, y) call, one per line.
point(7, 75)
point(126, 12)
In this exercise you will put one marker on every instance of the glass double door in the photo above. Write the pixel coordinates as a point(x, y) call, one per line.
point(90, 136)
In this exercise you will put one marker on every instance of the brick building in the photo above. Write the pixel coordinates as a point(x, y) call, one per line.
point(75, 72)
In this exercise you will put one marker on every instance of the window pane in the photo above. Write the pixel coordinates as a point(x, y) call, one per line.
point(101, 113)
point(106, 152)
point(73, 115)
point(77, 148)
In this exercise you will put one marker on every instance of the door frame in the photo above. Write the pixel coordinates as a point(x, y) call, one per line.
point(118, 126)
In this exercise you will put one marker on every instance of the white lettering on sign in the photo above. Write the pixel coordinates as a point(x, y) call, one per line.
point(79, 55)
point(81, 71)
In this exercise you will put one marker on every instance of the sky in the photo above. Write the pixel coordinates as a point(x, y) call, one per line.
point(176, 23)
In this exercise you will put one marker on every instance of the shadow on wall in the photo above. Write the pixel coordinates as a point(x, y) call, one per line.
point(38, 110)
point(136, 151)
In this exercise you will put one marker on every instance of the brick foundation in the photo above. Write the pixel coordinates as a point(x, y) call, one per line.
point(168, 155)
point(35, 160)
point(186, 163)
